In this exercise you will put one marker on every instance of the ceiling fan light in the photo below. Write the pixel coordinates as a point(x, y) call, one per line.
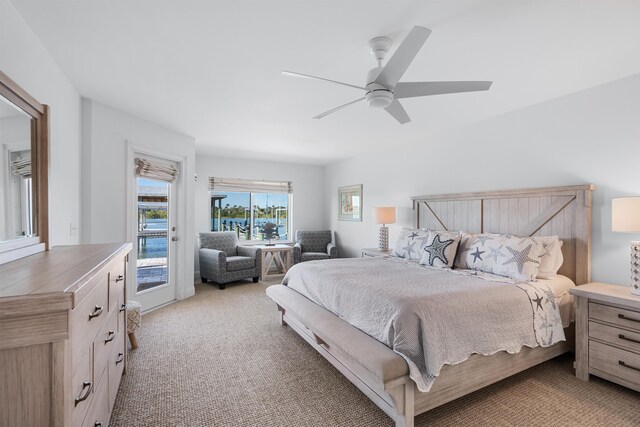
point(379, 98)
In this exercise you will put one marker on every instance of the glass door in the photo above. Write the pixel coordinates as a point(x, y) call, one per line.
point(154, 248)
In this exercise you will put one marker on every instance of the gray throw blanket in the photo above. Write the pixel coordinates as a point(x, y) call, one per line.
point(431, 317)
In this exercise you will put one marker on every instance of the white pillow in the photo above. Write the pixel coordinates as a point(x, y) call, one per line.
point(466, 241)
point(410, 244)
point(440, 249)
point(510, 256)
point(552, 258)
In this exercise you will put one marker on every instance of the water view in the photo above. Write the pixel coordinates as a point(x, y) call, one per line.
point(152, 245)
point(233, 211)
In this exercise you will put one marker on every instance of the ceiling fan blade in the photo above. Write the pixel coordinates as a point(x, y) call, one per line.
point(403, 56)
point(306, 76)
point(413, 89)
point(397, 111)
point(326, 113)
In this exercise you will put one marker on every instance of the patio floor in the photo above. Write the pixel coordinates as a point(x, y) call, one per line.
point(151, 272)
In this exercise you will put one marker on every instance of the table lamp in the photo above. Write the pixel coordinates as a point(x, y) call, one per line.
point(384, 216)
point(625, 217)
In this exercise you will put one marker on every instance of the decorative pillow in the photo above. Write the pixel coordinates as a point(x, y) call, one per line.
point(410, 244)
point(440, 249)
point(466, 241)
point(552, 258)
point(514, 257)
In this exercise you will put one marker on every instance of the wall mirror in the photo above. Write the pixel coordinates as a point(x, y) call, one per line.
point(24, 172)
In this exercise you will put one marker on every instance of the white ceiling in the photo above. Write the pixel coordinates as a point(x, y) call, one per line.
point(211, 69)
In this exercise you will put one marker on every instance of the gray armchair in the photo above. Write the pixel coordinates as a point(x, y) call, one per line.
point(222, 260)
point(313, 245)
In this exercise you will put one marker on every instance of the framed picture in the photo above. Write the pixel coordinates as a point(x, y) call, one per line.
point(350, 203)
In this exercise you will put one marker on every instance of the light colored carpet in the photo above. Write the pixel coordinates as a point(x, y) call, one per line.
point(220, 358)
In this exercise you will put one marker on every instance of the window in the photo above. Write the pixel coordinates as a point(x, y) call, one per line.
point(252, 213)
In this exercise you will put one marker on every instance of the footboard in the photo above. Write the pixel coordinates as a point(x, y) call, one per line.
point(376, 370)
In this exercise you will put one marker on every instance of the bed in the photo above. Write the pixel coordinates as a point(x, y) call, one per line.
point(382, 374)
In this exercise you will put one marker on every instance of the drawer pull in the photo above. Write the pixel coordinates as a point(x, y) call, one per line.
point(622, 337)
point(110, 337)
point(97, 424)
point(119, 278)
point(120, 358)
point(123, 307)
point(622, 316)
point(621, 362)
point(97, 311)
point(86, 387)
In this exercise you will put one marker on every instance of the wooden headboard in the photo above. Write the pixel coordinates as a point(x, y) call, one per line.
point(561, 211)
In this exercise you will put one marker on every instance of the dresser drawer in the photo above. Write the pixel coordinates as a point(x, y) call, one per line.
point(116, 283)
point(82, 388)
point(614, 361)
point(104, 343)
point(87, 318)
point(98, 414)
point(116, 367)
point(617, 336)
point(618, 316)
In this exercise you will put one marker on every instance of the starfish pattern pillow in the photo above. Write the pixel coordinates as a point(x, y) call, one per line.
point(410, 244)
point(467, 240)
point(515, 257)
point(440, 249)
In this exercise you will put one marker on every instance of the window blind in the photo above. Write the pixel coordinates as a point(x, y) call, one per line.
point(22, 164)
point(156, 170)
point(249, 185)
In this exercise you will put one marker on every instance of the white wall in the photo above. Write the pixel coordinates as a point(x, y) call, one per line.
point(25, 61)
point(591, 136)
point(105, 189)
point(308, 187)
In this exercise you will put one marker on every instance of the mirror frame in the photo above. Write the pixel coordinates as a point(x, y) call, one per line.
point(19, 248)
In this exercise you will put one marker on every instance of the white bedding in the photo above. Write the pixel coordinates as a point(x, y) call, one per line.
point(560, 286)
point(433, 317)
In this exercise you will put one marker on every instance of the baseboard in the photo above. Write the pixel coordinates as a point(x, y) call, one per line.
point(188, 291)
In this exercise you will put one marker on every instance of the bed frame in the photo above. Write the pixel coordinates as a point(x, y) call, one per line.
point(562, 211)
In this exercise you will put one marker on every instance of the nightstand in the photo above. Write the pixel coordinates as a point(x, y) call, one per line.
point(607, 333)
point(372, 252)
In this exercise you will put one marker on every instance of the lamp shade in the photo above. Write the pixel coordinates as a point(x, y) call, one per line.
point(625, 214)
point(385, 215)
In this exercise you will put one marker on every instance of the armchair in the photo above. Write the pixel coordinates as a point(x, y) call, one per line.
point(314, 245)
point(222, 260)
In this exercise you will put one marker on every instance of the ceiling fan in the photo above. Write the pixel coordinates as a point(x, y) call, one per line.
point(383, 89)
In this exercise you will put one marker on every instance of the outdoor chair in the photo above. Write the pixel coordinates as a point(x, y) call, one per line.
point(314, 245)
point(222, 260)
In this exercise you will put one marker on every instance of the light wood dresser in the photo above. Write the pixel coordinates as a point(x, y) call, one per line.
point(62, 336)
point(608, 333)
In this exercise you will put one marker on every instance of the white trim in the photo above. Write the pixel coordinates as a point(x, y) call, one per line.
point(184, 286)
point(151, 310)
